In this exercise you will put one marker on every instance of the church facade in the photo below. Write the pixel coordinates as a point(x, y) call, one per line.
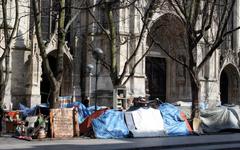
point(156, 75)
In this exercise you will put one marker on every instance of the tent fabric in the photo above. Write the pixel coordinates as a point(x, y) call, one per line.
point(26, 111)
point(145, 122)
point(91, 109)
point(219, 118)
point(184, 117)
point(86, 125)
point(110, 124)
point(236, 111)
point(175, 121)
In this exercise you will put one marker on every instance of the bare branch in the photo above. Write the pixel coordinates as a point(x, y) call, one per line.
point(145, 24)
point(220, 36)
point(136, 64)
point(100, 25)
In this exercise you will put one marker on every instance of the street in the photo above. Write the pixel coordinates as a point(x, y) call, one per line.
point(220, 141)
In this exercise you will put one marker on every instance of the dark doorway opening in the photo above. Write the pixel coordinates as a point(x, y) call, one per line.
point(224, 87)
point(45, 84)
point(156, 77)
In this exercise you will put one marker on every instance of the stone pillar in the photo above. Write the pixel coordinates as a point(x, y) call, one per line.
point(236, 23)
point(34, 77)
point(7, 101)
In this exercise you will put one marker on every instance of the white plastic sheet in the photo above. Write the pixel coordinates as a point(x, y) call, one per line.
point(220, 118)
point(145, 122)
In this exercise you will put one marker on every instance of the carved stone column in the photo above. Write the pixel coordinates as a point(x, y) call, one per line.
point(236, 23)
point(34, 77)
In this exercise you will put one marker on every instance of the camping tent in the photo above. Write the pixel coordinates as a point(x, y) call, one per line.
point(219, 118)
point(86, 125)
point(110, 124)
point(175, 122)
point(145, 122)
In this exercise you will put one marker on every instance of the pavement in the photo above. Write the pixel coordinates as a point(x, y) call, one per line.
point(217, 141)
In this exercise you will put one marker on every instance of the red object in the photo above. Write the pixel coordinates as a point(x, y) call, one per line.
point(86, 125)
point(186, 122)
point(12, 114)
point(27, 138)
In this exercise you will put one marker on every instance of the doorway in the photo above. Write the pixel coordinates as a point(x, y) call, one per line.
point(224, 88)
point(45, 83)
point(229, 85)
point(156, 78)
point(66, 86)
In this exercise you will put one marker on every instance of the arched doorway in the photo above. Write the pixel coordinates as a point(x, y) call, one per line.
point(224, 88)
point(66, 87)
point(167, 40)
point(229, 85)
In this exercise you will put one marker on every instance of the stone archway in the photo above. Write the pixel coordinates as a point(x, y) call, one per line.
point(229, 85)
point(169, 33)
point(66, 87)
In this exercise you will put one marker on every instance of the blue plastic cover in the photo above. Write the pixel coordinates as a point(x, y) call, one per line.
point(110, 124)
point(27, 111)
point(91, 109)
point(173, 122)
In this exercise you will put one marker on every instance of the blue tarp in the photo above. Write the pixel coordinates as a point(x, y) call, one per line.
point(33, 111)
point(110, 124)
point(173, 122)
point(91, 109)
point(27, 111)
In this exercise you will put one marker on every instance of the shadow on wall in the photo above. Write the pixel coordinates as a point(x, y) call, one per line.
point(19, 72)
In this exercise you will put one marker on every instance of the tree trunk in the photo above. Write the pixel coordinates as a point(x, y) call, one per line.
point(195, 116)
point(61, 42)
point(54, 79)
point(1, 83)
point(112, 44)
point(4, 77)
point(55, 95)
point(6, 54)
point(195, 98)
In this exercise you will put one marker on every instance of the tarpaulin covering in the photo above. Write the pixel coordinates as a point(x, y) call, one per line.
point(219, 118)
point(34, 110)
point(91, 109)
point(110, 124)
point(86, 125)
point(27, 111)
point(175, 122)
point(145, 122)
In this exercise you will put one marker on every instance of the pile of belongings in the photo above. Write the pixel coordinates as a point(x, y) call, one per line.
point(220, 119)
point(166, 120)
point(34, 122)
point(11, 120)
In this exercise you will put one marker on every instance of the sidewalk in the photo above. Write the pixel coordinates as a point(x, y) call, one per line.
point(220, 141)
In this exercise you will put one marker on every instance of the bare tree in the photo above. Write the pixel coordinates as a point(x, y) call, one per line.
point(200, 18)
point(8, 36)
point(109, 28)
point(62, 26)
point(203, 21)
point(55, 78)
